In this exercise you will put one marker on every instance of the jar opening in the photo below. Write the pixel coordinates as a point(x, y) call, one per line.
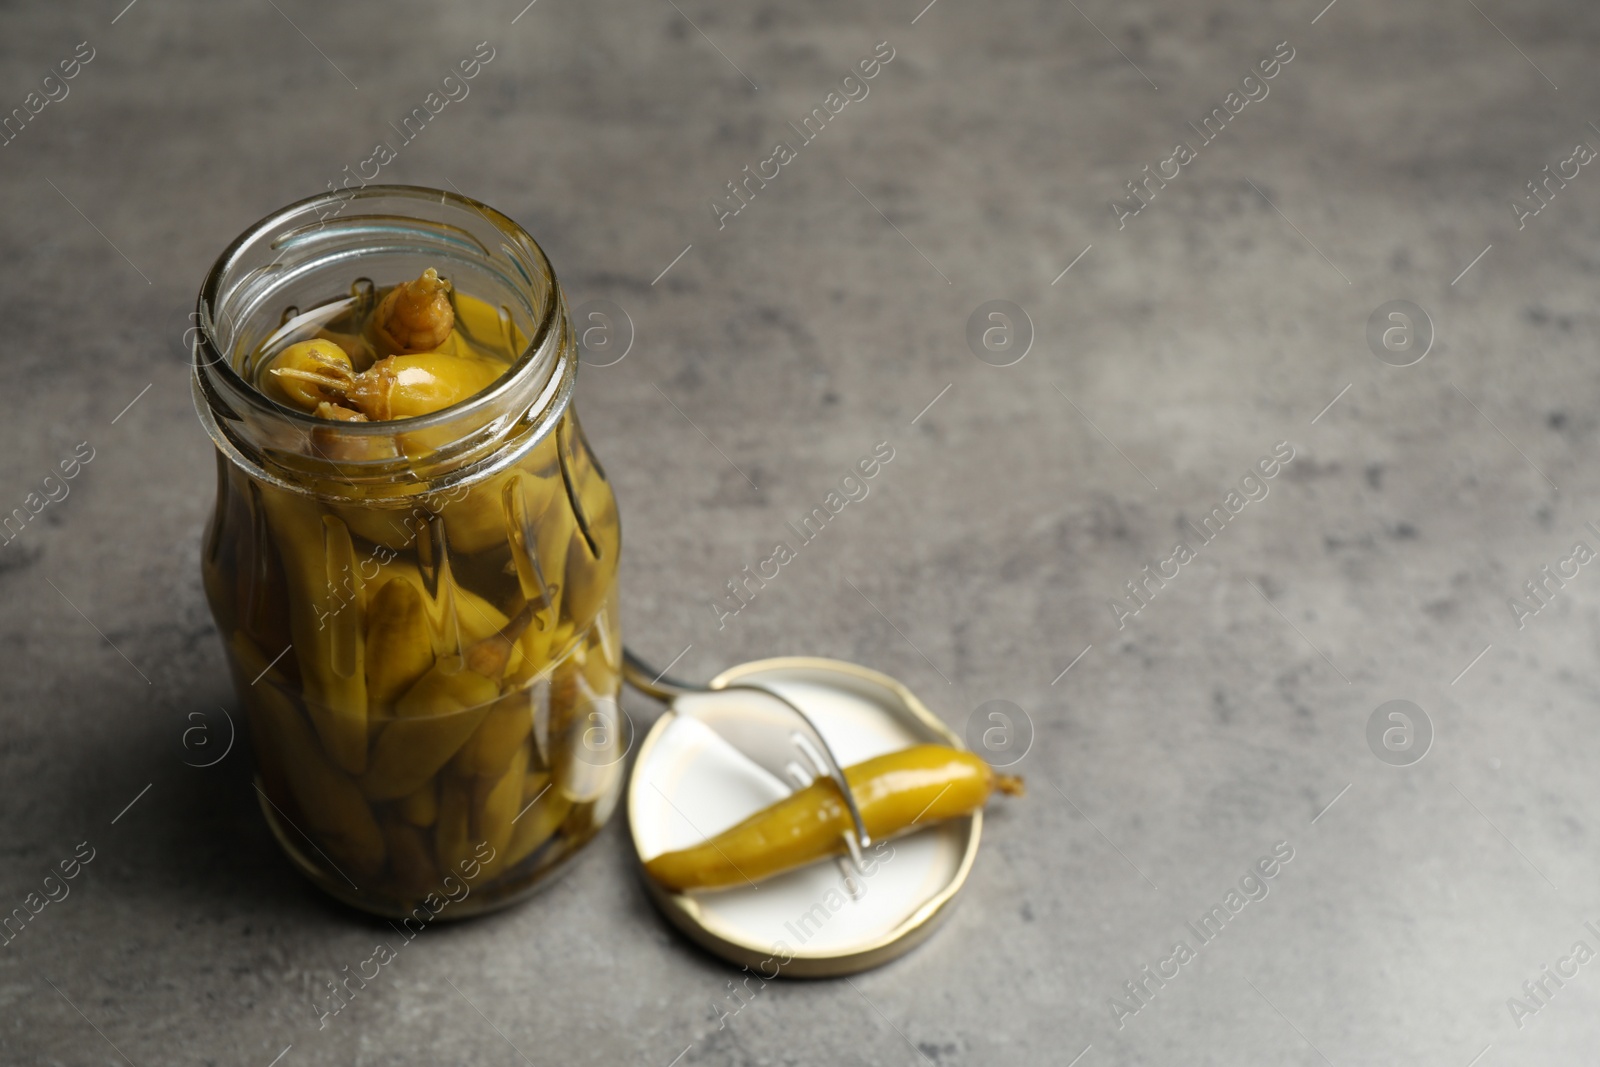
point(298, 263)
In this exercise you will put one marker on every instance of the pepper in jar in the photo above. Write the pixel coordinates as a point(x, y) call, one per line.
point(415, 316)
point(426, 365)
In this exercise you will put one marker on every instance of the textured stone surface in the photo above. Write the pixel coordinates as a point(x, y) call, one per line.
point(1220, 721)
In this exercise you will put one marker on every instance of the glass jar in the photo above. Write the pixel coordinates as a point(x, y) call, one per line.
point(420, 615)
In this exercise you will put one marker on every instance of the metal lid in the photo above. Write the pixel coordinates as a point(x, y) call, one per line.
point(689, 784)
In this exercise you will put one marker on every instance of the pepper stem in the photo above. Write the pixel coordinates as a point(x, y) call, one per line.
point(489, 656)
point(341, 384)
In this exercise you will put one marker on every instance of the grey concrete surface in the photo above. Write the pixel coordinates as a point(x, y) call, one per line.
point(1184, 743)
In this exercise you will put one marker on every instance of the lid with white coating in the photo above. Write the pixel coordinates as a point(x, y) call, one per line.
point(697, 775)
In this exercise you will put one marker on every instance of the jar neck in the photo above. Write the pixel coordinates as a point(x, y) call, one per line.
point(310, 250)
point(373, 460)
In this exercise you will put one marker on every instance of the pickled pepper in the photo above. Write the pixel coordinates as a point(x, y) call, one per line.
point(895, 793)
point(416, 316)
point(417, 376)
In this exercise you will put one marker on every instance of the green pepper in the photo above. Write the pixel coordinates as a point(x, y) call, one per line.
point(896, 793)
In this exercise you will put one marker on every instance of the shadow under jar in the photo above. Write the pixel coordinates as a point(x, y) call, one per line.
point(420, 614)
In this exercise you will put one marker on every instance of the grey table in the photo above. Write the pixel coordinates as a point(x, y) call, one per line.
point(1443, 864)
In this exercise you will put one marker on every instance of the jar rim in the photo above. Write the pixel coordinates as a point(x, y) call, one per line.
point(219, 382)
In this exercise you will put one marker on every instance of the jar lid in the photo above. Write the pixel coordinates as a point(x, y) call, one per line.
point(828, 918)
